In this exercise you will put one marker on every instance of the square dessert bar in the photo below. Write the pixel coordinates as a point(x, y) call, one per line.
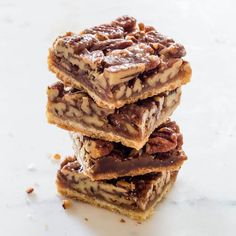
point(134, 197)
point(131, 125)
point(119, 63)
point(108, 160)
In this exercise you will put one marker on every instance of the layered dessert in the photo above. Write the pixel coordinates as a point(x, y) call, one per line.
point(74, 110)
point(134, 197)
point(108, 160)
point(120, 62)
point(118, 85)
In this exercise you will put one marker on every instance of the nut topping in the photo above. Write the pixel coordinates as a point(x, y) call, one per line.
point(93, 59)
point(111, 44)
point(102, 57)
point(98, 148)
point(174, 50)
point(129, 62)
point(159, 144)
point(105, 31)
point(164, 139)
point(126, 22)
point(75, 42)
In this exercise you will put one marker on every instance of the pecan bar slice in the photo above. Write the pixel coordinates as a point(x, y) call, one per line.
point(119, 63)
point(107, 160)
point(132, 124)
point(134, 197)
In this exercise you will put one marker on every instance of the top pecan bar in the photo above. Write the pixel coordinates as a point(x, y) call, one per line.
point(120, 62)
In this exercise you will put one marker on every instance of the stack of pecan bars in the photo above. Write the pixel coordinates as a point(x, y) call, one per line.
point(120, 83)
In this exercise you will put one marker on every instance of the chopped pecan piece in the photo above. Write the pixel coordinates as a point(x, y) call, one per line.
point(93, 59)
point(105, 31)
point(57, 156)
point(98, 148)
point(174, 50)
point(129, 62)
point(66, 203)
point(29, 190)
point(75, 42)
point(160, 43)
point(55, 91)
point(126, 22)
point(133, 113)
point(69, 159)
point(135, 54)
point(111, 44)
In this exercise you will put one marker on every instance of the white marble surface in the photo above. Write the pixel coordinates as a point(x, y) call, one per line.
point(203, 201)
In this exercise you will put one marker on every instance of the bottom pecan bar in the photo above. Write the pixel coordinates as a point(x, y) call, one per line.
point(108, 160)
point(134, 197)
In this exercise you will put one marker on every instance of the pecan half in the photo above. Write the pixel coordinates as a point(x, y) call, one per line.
point(164, 139)
point(174, 50)
point(128, 23)
point(159, 144)
point(105, 31)
point(98, 148)
point(75, 42)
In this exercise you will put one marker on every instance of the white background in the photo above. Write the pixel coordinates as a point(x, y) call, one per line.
point(203, 201)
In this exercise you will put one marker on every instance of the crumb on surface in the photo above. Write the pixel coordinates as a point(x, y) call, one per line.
point(46, 227)
point(29, 190)
point(86, 219)
point(31, 167)
point(122, 220)
point(66, 204)
point(57, 156)
point(139, 222)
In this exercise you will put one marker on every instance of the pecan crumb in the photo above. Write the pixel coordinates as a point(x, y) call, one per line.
point(141, 26)
point(66, 204)
point(29, 190)
point(57, 156)
point(122, 220)
point(86, 219)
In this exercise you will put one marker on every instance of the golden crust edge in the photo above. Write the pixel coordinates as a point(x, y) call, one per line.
point(139, 216)
point(183, 78)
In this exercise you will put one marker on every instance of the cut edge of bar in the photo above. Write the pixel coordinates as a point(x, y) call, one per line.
point(184, 77)
point(108, 136)
point(139, 216)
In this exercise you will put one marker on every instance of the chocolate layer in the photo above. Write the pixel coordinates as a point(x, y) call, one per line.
point(107, 160)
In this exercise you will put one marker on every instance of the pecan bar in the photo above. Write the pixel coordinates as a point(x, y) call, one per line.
point(134, 197)
point(107, 160)
point(132, 124)
point(119, 63)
